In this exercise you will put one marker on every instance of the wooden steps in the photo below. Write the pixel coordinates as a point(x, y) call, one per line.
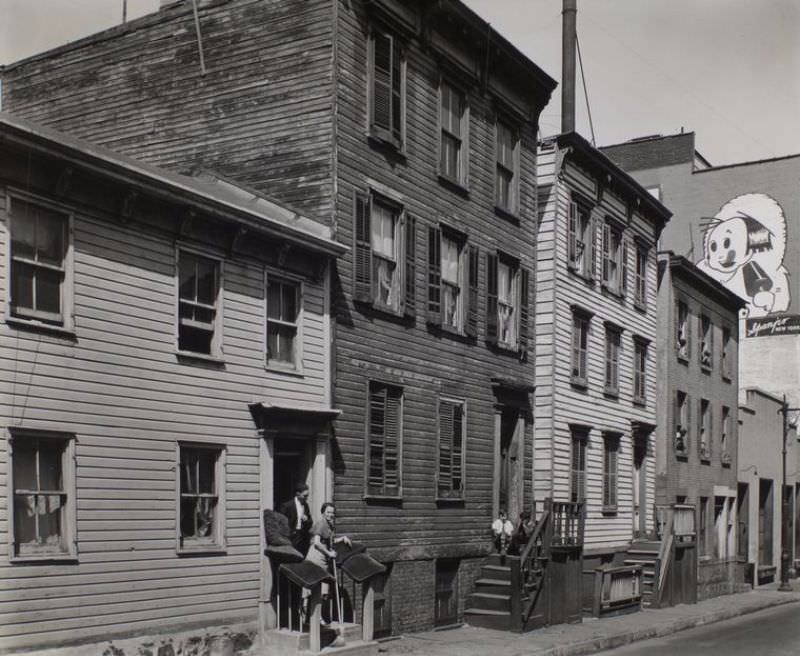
point(644, 553)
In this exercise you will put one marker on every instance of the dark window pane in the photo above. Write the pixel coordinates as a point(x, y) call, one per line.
point(289, 303)
point(188, 473)
point(188, 276)
point(24, 519)
point(48, 291)
point(21, 285)
point(50, 237)
point(272, 342)
point(50, 459)
point(206, 281)
point(23, 231)
point(274, 300)
point(50, 520)
point(24, 467)
point(188, 517)
point(194, 340)
point(204, 314)
point(206, 473)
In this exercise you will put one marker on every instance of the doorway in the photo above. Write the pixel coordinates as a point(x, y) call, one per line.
point(639, 486)
point(764, 522)
point(510, 424)
point(743, 520)
point(292, 466)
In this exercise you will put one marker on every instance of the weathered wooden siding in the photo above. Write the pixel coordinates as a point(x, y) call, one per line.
point(120, 388)
point(558, 400)
point(426, 363)
point(260, 115)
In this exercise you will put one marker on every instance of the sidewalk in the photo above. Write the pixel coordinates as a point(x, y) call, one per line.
point(592, 635)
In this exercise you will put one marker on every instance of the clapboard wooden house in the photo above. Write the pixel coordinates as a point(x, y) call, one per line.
point(163, 341)
point(596, 357)
point(410, 129)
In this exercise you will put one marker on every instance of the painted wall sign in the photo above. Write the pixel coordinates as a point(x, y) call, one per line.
point(743, 248)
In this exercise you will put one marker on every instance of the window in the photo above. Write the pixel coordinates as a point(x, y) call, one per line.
point(639, 370)
point(202, 497)
point(39, 263)
point(382, 603)
point(706, 342)
point(450, 475)
point(507, 303)
point(44, 495)
point(452, 281)
point(446, 592)
point(610, 458)
point(682, 332)
point(720, 528)
point(384, 254)
point(454, 125)
point(384, 437)
point(726, 353)
point(612, 257)
point(724, 441)
point(580, 239)
point(613, 345)
point(507, 168)
point(704, 430)
point(198, 315)
point(642, 256)
point(577, 484)
point(702, 528)
point(681, 419)
point(283, 320)
point(580, 345)
point(387, 97)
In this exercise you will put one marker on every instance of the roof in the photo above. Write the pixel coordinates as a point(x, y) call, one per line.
point(654, 151)
point(597, 161)
point(208, 193)
point(701, 280)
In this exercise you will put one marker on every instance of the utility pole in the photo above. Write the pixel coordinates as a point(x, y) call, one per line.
point(784, 586)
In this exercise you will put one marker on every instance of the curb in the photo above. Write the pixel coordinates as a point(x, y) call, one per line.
point(621, 639)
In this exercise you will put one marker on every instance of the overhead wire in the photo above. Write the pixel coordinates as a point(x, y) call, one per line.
point(585, 92)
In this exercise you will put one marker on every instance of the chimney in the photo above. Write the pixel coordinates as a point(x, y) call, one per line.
point(568, 36)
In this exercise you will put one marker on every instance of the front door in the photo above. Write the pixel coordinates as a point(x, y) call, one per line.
point(510, 459)
point(291, 466)
point(639, 486)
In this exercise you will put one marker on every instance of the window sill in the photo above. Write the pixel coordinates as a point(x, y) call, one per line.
point(190, 356)
point(38, 326)
point(682, 455)
point(727, 378)
point(288, 370)
point(507, 214)
point(641, 307)
point(705, 460)
point(706, 368)
point(683, 359)
point(642, 403)
point(588, 279)
point(611, 291)
point(612, 392)
point(450, 501)
point(581, 383)
point(381, 139)
point(609, 510)
point(58, 559)
point(454, 185)
point(204, 550)
point(372, 497)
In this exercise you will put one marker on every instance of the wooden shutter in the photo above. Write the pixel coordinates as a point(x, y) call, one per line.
point(362, 256)
point(572, 231)
point(377, 438)
point(576, 346)
point(382, 84)
point(410, 306)
point(457, 449)
point(606, 244)
point(523, 313)
point(445, 470)
point(491, 298)
point(591, 270)
point(434, 275)
point(676, 417)
point(391, 449)
point(623, 286)
point(471, 324)
point(687, 404)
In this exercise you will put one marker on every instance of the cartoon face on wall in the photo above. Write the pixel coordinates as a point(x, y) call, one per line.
point(743, 248)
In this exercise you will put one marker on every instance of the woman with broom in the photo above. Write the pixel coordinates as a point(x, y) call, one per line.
point(322, 550)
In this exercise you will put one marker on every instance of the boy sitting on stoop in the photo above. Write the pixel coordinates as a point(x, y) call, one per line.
point(503, 529)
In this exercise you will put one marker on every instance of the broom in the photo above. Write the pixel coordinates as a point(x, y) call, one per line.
point(339, 641)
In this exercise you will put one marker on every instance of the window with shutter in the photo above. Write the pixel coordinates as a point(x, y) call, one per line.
point(581, 239)
point(706, 342)
point(610, 458)
point(639, 370)
point(411, 266)
point(506, 168)
point(642, 256)
point(613, 345)
point(454, 128)
point(682, 331)
point(612, 258)
point(724, 445)
point(577, 488)
point(387, 89)
point(491, 298)
point(450, 475)
point(704, 430)
point(681, 420)
point(580, 345)
point(472, 306)
point(384, 440)
point(725, 364)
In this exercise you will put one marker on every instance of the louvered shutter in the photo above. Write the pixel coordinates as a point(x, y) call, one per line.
point(377, 439)
point(382, 85)
point(572, 231)
point(677, 420)
point(687, 401)
point(523, 313)
point(457, 481)
point(362, 256)
point(411, 266)
point(391, 449)
point(471, 327)
point(491, 298)
point(606, 265)
point(624, 273)
point(593, 230)
point(445, 472)
point(699, 420)
point(576, 346)
point(434, 275)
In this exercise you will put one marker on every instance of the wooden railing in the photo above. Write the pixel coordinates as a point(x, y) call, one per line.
point(567, 523)
point(532, 561)
point(616, 588)
point(683, 526)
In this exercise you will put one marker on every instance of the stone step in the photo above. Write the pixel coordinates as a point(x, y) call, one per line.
point(493, 586)
point(498, 572)
point(488, 619)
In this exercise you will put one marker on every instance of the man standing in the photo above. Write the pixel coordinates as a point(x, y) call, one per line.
point(299, 516)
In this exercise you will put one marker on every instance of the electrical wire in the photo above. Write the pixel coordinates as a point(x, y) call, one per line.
point(585, 92)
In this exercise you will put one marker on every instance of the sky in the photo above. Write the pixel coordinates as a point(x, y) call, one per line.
point(728, 70)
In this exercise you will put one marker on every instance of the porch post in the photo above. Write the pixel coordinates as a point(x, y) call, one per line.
point(368, 612)
point(267, 618)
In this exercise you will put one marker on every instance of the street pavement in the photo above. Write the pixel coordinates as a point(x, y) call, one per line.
point(592, 635)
